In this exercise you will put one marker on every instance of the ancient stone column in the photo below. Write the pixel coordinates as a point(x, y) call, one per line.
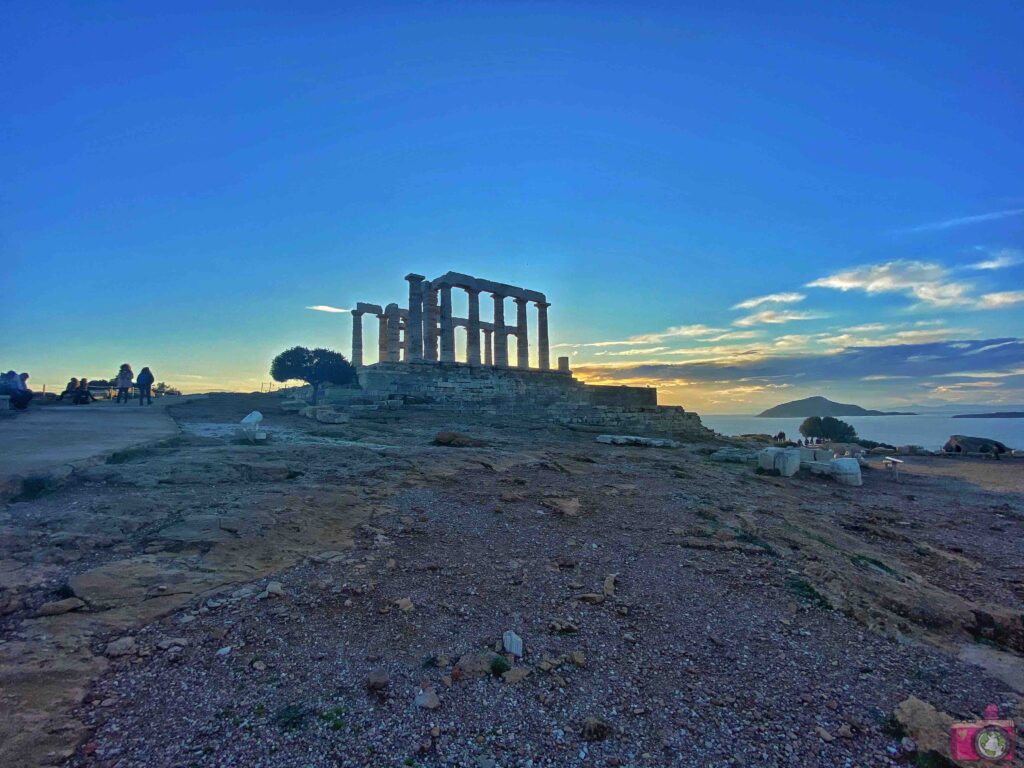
point(447, 328)
point(522, 338)
point(394, 333)
point(563, 364)
point(500, 334)
point(382, 338)
point(488, 357)
point(406, 340)
point(357, 338)
point(414, 327)
point(473, 327)
point(429, 322)
point(544, 350)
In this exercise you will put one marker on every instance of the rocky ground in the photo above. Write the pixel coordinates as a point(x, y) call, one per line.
point(339, 596)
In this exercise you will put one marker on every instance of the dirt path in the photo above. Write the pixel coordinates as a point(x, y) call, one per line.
point(42, 446)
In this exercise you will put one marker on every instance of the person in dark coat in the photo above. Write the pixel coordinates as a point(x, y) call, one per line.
point(16, 389)
point(145, 384)
point(21, 395)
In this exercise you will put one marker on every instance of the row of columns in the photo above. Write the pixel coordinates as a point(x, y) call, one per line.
point(429, 329)
point(439, 315)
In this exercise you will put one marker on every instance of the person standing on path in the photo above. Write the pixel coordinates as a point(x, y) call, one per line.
point(124, 383)
point(145, 384)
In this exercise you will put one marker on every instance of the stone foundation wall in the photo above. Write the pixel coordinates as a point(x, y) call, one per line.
point(549, 395)
point(621, 396)
point(659, 419)
point(457, 385)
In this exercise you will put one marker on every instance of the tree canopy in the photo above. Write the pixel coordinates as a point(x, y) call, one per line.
point(828, 428)
point(313, 366)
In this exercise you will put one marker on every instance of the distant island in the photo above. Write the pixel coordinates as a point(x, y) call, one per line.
point(996, 415)
point(822, 406)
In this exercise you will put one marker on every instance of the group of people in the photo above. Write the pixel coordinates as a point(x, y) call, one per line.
point(77, 390)
point(15, 386)
point(144, 383)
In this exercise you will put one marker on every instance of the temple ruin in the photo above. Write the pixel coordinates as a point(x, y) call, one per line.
point(425, 330)
point(417, 366)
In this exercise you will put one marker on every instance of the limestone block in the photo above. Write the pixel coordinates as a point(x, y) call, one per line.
point(650, 442)
point(817, 467)
point(846, 471)
point(733, 455)
point(332, 417)
point(786, 461)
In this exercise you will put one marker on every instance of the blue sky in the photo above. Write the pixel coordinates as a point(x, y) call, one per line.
point(180, 183)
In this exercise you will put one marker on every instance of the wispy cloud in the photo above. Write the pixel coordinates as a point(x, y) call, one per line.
point(965, 220)
point(1001, 299)
point(928, 283)
point(777, 317)
point(1007, 257)
point(964, 386)
point(867, 328)
point(674, 332)
point(793, 341)
point(732, 336)
point(914, 336)
point(771, 298)
point(327, 308)
point(640, 351)
point(982, 374)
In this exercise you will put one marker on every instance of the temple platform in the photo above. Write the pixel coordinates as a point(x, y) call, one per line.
point(530, 394)
point(505, 390)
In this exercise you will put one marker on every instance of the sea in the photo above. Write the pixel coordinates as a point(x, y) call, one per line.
point(929, 431)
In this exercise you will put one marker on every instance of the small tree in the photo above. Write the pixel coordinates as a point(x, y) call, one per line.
point(313, 366)
point(811, 427)
point(828, 428)
point(838, 431)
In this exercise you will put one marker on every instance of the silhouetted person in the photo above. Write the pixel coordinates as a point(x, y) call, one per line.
point(69, 389)
point(145, 384)
point(16, 387)
point(82, 395)
point(124, 383)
